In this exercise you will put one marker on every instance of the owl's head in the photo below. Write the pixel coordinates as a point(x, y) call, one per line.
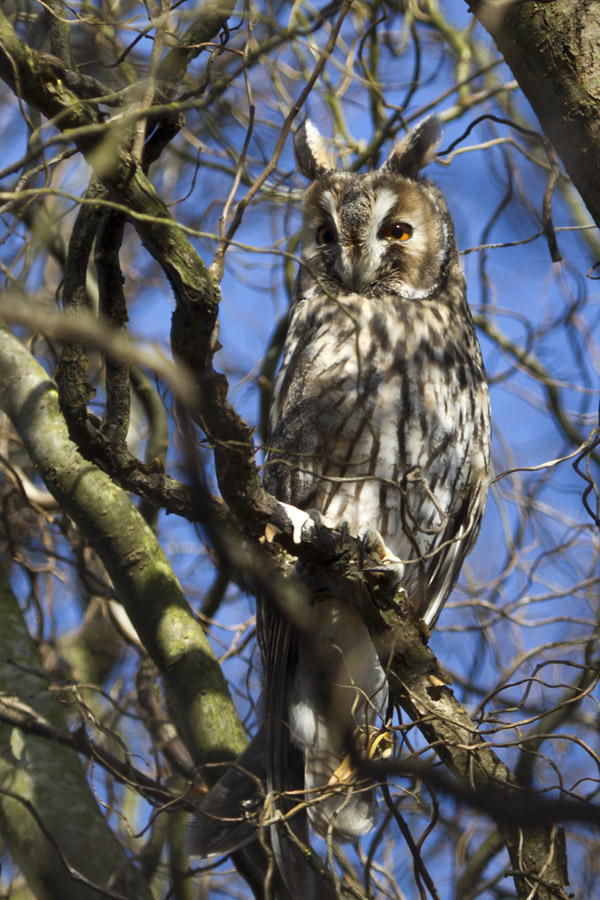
point(376, 233)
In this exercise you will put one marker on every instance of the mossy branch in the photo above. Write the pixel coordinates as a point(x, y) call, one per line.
point(36, 775)
point(131, 554)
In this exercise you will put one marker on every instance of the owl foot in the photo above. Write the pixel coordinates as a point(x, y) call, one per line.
point(380, 558)
point(374, 743)
point(377, 558)
point(340, 531)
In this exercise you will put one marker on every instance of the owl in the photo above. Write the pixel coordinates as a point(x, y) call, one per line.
point(380, 424)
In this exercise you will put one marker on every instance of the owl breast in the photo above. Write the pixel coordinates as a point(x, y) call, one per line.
point(380, 420)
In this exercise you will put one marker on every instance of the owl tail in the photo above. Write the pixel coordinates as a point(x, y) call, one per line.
point(344, 800)
point(325, 693)
point(228, 815)
point(324, 687)
point(338, 725)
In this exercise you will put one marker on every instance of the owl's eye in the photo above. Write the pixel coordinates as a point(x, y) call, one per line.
point(325, 235)
point(396, 231)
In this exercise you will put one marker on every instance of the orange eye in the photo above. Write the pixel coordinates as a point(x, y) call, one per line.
point(325, 235)
point(396, 231)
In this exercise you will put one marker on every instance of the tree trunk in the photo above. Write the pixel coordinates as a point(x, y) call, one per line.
point(553, 50)
point(47, 810)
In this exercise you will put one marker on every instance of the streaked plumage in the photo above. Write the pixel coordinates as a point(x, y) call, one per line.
point(380, 420)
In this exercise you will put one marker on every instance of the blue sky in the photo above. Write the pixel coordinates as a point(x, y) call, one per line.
point(549, 309)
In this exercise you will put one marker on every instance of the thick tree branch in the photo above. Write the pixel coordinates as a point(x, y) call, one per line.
point(211, 16)
point(142, 577)
point(113, 308)
point(555, 57)
point(60, 35)
point(37, 775)
point(533, 848)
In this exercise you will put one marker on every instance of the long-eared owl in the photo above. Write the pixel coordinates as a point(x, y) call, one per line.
point(380, 420)
point(380, 423)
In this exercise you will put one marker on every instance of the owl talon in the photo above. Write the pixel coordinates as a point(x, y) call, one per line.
point(317, 520)
point(377, 558)
point(344, 529)
point(374, 743)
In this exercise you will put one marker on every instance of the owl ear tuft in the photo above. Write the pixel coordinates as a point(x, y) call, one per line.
point(416, 150)
point(311, 155)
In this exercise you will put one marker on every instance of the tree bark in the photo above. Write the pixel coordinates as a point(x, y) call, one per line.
point(553, 50)
point(37, 779)
point(144, 581)
point(534, 844)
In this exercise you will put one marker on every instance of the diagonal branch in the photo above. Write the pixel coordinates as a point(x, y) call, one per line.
point(417, 687)
point(131, 554)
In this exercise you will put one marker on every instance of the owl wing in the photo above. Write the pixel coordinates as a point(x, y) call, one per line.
point(279, 648)
point(223, 822)
point(456, 542)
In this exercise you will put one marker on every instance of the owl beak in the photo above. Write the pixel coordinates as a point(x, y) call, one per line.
point(353, 269)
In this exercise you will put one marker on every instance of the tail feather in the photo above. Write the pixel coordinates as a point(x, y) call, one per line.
point(228, 816)
point(341, 801)
point(328, 722)
point(325, 695)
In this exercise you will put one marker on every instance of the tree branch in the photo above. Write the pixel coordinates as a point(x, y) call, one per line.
point(53, 850)
point(553, 55)
point(143, 579)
